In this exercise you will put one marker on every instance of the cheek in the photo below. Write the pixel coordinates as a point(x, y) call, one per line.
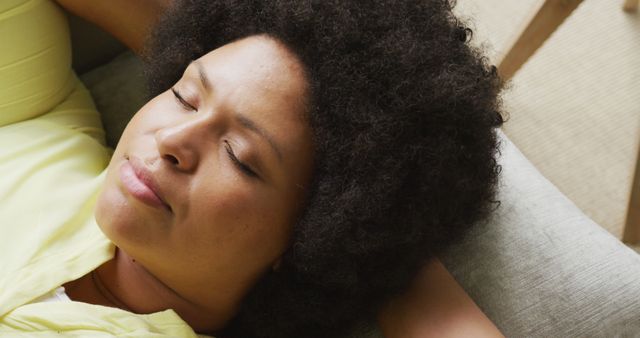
point(116, 216)
point(240, 219)
point(226, 204)
point(153, 115)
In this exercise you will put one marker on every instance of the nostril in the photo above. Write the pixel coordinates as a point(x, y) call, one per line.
point(171, 159)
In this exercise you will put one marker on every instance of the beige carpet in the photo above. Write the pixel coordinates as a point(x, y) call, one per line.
point(575, 105)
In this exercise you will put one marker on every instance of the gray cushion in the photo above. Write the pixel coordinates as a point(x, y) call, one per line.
point(538, 268)
point(118, 90)
point(541, 268)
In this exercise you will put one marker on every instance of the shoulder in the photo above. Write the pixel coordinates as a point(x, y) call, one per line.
point(435, 306)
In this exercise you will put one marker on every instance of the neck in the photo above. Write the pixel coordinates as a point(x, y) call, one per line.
point(126, 284)
point(106, 293)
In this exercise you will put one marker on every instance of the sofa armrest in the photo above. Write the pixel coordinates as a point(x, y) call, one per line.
point(541, 268)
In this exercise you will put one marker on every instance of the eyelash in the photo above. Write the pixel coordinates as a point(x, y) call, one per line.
point(243, 167)
point(182, 101)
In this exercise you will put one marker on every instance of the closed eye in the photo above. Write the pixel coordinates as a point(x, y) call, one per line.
point(243, 167)
point(182, 101)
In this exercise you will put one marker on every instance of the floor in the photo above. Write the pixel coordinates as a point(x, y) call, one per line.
point(574, 107)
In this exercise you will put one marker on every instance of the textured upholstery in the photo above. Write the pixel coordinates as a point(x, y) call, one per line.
point(541, 268)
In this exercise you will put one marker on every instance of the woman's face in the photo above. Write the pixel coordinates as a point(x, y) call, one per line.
point(228, 152)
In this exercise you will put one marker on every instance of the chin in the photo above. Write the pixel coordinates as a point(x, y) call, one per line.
point(105, 214)
point(126, 225)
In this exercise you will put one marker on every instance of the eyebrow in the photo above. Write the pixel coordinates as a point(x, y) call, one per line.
point(203, 75)
point(249, 124)
point(241, 119)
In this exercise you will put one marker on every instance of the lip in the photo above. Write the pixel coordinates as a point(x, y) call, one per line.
point(139, 182)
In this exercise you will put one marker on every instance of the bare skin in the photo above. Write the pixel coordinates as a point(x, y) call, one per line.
point(128, 21)
point(230, 154)
point(435, 306)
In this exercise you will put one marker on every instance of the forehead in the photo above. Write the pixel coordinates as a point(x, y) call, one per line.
point(261, 64)
point(258, 77)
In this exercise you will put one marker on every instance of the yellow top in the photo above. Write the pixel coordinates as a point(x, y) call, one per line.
point(52, 165)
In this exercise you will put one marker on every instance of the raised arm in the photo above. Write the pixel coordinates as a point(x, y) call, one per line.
point(436, 306)
point(129, 21)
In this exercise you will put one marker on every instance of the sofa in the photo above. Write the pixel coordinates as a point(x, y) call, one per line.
point(539, 267)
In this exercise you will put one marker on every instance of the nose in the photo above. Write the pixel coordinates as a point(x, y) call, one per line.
point(178, 144)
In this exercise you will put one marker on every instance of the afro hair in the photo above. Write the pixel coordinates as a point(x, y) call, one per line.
point(403, 111)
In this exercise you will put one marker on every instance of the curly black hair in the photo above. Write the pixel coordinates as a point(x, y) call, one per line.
point(403, 112)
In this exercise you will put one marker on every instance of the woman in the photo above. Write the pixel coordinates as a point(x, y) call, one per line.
point(295, 167)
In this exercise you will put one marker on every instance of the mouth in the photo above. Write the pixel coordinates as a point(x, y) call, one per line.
point(140, 183)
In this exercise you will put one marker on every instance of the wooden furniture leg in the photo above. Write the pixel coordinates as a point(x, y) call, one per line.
point(631, 234)
point(538, 28)
point(631, 5)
